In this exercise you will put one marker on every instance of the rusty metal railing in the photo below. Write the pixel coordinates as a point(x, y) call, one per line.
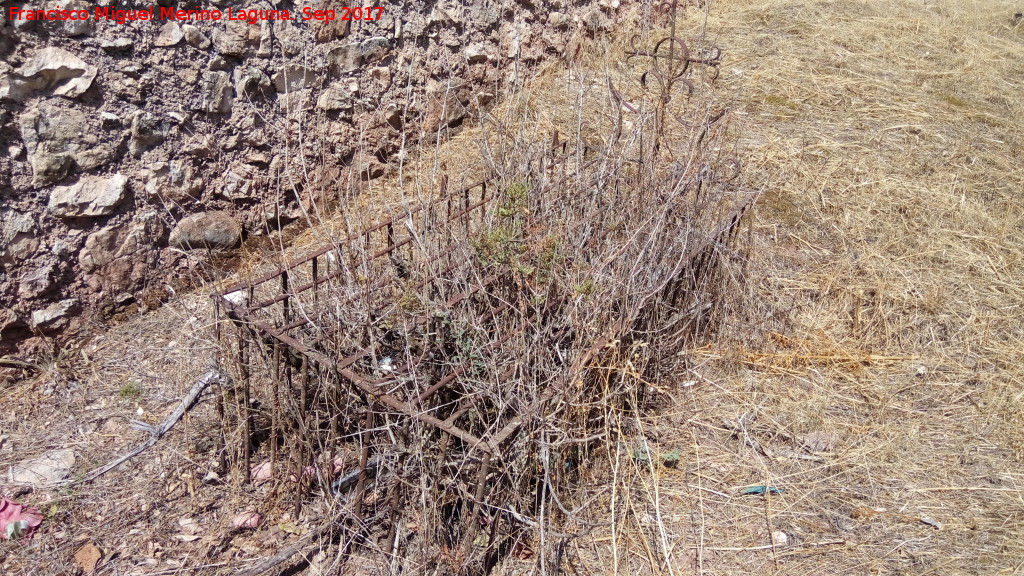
point(325, 323)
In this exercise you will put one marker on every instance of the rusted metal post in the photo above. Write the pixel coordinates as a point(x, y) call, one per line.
point(217, 330)
point(300, 433)
point(275, 415)
point(300, 478)
point(314, 266)
point(395, 500)
point(242, 403)
point(465, 211)
point(483, 198)
point(286, 303)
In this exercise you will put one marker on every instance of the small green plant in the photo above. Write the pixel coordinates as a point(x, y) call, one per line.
point(464, 345)
point(67, 496)
point(410, 302)
point(548, 258)
point(586, 288)
point(131, 390)
point(671, 459)
point(498, 246)
point(641, 454)
point(515, 201)
point(524, 269)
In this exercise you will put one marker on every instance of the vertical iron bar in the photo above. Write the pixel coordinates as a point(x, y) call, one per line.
point(300, 476)
point(300, 435)
point(242, 404)
point(316, 259)
point(275, 415)
point(395, 500)
point(483, 196)
point(465, 207)
point(286, 303)
point(217, 330)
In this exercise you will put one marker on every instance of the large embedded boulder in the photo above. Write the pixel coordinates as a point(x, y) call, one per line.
point(147, 131)
point(173, 181)
point(59, 139)
point(118, 258)
point(214, 230)
point(37, 282)
point(170, 34)
point(293, 78)
point(55, 315)
point(91, 196)
point(217, 93)
point(49, 69)
point(18, 236)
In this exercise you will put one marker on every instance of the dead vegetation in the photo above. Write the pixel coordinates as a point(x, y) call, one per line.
point(459, 363)
point(869, 387)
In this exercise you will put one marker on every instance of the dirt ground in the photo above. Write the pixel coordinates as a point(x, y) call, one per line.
point(871, 383)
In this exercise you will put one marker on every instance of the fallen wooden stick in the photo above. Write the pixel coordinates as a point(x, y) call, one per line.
point(284, 555)
point(157, 432)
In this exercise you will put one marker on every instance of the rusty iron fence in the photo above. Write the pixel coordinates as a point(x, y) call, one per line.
point(443, 355)
point(354, 340)
point(391, 352)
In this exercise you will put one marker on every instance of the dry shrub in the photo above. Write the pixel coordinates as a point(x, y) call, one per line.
point(464, 359)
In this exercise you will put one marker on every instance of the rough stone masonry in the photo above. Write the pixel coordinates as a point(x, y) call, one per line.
point(128, 146)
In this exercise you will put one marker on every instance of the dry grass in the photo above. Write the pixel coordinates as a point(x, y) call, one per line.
point(884, 305)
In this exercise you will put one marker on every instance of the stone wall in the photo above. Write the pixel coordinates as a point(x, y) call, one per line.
point(125, 147)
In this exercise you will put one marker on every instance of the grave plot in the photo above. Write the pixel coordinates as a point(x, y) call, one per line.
point(445, 374)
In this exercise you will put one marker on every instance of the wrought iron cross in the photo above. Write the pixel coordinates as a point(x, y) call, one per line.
point(670, 58)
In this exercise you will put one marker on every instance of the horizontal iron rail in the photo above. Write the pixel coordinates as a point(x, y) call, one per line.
point(396, 217)
point(373, 391)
